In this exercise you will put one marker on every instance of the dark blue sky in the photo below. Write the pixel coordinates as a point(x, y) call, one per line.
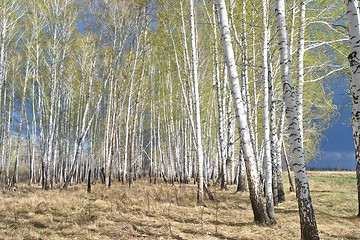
point(338, 145)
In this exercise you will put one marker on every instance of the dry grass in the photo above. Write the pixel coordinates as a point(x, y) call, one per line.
point(163, 211)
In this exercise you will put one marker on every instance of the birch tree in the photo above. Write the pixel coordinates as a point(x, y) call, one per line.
point(266, 128)
point(352, 9)
point(306, 212)
point(259, 211)
point(200, 154)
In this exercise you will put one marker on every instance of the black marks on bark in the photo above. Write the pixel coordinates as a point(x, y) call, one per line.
point(298, 149)
point(354, 61)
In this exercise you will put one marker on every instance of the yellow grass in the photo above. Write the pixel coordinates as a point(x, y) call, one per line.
point(163, 211)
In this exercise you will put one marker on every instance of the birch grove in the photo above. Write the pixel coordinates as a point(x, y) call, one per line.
point(183, 92)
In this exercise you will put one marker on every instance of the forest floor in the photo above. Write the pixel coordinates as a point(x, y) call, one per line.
point(164, 211)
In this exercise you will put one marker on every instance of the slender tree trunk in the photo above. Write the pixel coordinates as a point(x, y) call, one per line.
point(300, 68)
point(219, 97)
point(245, 76)
point(151, 140)
point(242, 173)
point(306, 212)
point(132, 143)
point(279, 142)
point(273, 139)
point(292, 189)
point(256, 96)
point(266, 126)
point(230, 144)
point(259, 211)
point(200, 193)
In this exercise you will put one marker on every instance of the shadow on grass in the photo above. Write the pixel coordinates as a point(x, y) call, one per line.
point(329, 216)
point(232, 224)
point(222, 236)
point(286, 211)
point(320, 191)
point(346, 236)
point(353, 217)
point(181, 220)
point(143, 224)
point(144, 233)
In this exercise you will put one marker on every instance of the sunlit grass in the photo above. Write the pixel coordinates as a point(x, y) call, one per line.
point(165, 211)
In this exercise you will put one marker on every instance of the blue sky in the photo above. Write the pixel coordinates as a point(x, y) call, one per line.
point(338, 145)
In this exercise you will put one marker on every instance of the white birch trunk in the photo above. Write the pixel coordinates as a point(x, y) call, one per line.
point(230, 143)
point(274, 141)
point(245, 76)
point(256, 97)
point(200, 194)
point(219, 98)
point(306, 212)
point(352, 9)
point(259, 211)
point(266, 127)
point(133, 132)
point(300, 68)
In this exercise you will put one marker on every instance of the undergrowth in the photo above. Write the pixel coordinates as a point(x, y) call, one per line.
point(166, 211)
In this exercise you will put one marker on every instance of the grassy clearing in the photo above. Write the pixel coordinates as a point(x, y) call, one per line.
point(163, 211)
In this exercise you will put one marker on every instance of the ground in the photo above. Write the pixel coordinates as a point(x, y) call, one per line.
point(164, 211)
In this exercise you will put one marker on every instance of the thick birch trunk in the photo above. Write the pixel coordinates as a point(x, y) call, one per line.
point(354, 59)
point(306, 212)
point(259, 211)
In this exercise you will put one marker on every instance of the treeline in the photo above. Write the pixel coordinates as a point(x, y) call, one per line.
point(102, 90)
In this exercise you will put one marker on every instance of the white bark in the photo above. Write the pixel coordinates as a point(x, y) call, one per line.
point(256, 97)
point(266, 127)
point(230, 144)
point(200, 194)
point(245, 77)
point(278, 191)
point(307, 216)
point(352, 9)
point(300, 68)
point(250, 162)
point(219, 98)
